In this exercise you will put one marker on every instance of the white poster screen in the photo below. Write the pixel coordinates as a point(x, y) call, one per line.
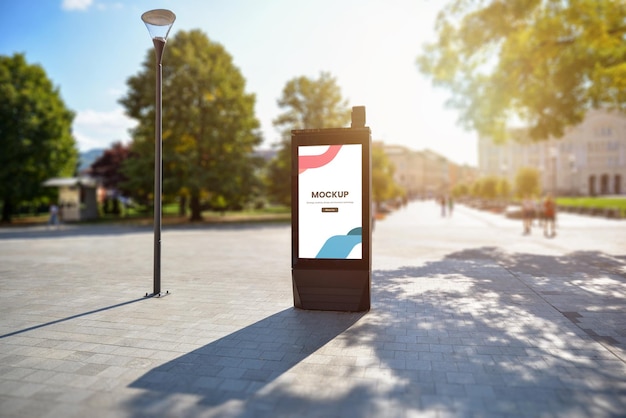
point(329, 201)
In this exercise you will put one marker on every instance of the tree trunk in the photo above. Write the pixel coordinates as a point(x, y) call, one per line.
point(196, 211)
point(182, 205)
point(7, 210)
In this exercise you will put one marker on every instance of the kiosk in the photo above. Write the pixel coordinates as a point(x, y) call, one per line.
point(77, 197)
point(331, 217)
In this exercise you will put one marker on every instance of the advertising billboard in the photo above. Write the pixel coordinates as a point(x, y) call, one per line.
point(329, 200)
point(331, 218)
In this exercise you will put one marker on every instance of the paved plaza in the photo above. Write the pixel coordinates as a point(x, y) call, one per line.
point(469, 318)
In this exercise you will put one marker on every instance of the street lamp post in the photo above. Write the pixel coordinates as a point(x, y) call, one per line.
point(159, 22)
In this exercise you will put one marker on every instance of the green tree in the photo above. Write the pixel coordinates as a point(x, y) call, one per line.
point(384, 187)
point(527, 182)
point(504, 188)
point(209, 126)
point(461, 190)
point(309, 104)
point(541, 62)
point(138, 170)
point(488, 188)
point(475, 188)
point(35, 133)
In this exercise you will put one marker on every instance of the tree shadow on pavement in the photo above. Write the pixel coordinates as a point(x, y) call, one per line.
point(581, 285)
point(512, 334)
point(477, 333)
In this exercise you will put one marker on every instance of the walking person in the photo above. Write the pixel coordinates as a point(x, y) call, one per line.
point(528, 209)
point(538, 212)
point(54, 215)
point(373, 209)
point(549, 223)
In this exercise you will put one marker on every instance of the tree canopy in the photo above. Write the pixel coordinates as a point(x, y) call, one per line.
point(209, 126)
point(107, 167)
point(312, 104)
point(308, 104)
point(384, 187)
point(527, 182)
point(35, 133)
point(541, 63)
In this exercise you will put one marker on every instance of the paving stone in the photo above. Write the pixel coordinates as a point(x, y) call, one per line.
point(468, 319)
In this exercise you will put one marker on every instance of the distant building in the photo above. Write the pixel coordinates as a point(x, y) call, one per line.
point(589, 160)
point(426, 173)
point(77, 197)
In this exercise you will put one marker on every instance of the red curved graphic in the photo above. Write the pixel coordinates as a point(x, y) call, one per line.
point(315, 161)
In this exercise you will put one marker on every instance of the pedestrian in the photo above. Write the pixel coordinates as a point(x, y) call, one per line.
point(373, 215)
point(442, 203)
point(54, 215)
point(539, 212)
point(528, 209)
point(549, 213)
point(450, 205)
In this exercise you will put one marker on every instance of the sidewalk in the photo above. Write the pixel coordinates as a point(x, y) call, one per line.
point(468, 319)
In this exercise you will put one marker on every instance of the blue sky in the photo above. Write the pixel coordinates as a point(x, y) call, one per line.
point(89, 48)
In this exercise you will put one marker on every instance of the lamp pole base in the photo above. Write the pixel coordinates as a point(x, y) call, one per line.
point(157, 295)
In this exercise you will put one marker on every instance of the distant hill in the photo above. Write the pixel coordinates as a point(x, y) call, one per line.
point(88, 157)
point(266, 154)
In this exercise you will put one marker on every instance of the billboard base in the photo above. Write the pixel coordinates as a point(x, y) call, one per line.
point(331, 290)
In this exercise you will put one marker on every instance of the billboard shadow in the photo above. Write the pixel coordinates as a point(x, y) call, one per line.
point(239, 365)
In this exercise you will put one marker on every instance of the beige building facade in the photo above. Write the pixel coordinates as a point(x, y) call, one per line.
point(425, 173)
point(589, 160)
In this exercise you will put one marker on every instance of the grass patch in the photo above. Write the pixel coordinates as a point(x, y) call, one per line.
point(594, 202)
point(170, 216)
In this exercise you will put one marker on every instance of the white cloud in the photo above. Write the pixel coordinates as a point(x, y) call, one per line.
point(76, 4)
point(116, 92)
point(94, 129)
point(72, 5)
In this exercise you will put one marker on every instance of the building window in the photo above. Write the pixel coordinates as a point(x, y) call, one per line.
point(605, 131)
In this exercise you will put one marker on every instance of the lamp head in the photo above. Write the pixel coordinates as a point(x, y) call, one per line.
point(159, 22)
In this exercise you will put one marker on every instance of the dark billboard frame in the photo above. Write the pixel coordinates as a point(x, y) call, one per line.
point(330, 283)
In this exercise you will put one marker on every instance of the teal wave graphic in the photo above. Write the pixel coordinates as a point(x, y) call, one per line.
point(340, 246)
